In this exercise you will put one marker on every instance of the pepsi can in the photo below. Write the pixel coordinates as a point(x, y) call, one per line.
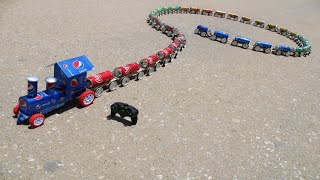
point(50, 84)
point(32, 86)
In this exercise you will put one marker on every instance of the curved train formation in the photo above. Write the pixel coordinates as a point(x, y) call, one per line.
point(70, 81)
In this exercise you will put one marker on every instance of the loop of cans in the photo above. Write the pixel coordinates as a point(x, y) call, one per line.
point(303, 48)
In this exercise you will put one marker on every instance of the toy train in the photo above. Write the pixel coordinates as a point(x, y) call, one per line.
point(259, 45)
point(70, 82)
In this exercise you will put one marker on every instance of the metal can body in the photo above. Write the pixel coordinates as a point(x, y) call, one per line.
point(126, 70)
point(164, 53)
point(174, 45)
point(147, 62)
point(99, 79)
point(32, 86)
point(50, 84)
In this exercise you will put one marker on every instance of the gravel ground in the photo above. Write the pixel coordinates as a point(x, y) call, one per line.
point(217, 112)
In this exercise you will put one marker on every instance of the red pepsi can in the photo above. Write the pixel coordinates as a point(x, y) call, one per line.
point(50, 84)
point(32, 86)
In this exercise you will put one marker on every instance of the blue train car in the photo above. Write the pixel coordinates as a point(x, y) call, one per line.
point(282, 50)
point(68, 83)
point(264, 46)
point(203, 31)
point(244, 42)
point(220, 36)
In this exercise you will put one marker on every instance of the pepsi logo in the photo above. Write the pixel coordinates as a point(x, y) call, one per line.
point(78, 64)
point(65, 66)
point(50, 85)
point(74, 82)
point(22, 103)
point(30, 87)
point(38, 97)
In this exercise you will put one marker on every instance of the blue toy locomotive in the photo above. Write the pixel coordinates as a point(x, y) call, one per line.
point(69, 83)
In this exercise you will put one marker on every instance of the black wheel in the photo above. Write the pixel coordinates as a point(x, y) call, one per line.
point(134, 120)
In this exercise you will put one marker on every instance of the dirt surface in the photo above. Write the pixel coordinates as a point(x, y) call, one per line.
point(217, 112)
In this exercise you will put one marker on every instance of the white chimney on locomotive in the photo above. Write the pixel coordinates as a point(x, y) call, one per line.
point(32, 86)
point(50, 84)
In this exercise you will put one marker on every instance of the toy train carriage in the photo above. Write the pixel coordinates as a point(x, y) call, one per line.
point(208, 12)
point(302, 51)
point(158, 24)
point(220, 14)
point(68, 83)
point(101, 81)
point(194, 10)
point(244, 42)
point(165, 55)
point(176, 47)
point(184, 10)
point(161, 11)
point(234, 17)
point(271, 27)
point(150, 64)
point(151, 18)
point(282, 50)
point(259, 23)
point(175, 9)
point(168, 10)
point(168, 30)
point(264, 46)
point(292, 35)
point(220, 36)
point(203, 31)
point(123, 74)
point(245, 20)
point(283, 31)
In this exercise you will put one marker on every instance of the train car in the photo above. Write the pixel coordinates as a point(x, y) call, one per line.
point(292, 35)
point(123, 74)
point(176, 9)
point(238, 40)
point(168, 10)
point(101, 81)
point(68, 83)
point(165, 56)
point(184, 10)
point(246, 20)
point(283, 31)
point(271, 27)
point(194, 10)
point(282, 50)
point(150, 64)
point(259, 23)
point(175, 46)
point(220, 14)
point(168, 30)
point(208, 12)
point(220, 36)
point(158, 24)
point(264, 46)
point(234, 17)
point(161, 11)
point(203, 31)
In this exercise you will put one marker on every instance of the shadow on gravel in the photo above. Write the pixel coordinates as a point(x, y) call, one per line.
point(121, 120)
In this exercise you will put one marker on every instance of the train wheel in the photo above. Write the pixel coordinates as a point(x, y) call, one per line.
point(278, 52)
point(157, 66)
point(215, 14)
point(257, 48)
point(254, 24)
point(262, 26)
point(236, 19)
point(267, 28)
point(140, 75)
point(223, 16)
point(196, 31)
point(169, 33)
point(203, 34)
point(211, 14)
point(125, 81)
point(113, 85)
point(36, 120)
point(150, 71)
point(287, 54)
point(86, 98)
point(98, 91)
point(16, 110)
point(245, 46)
point(213, 37)
point(234, 43)
point(241, 20)
point(224, 40)
point(228, 17)
point(268, 50)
